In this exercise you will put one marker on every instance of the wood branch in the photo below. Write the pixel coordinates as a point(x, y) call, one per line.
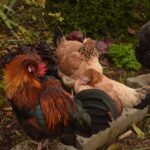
point(103, 138)
point(117, 127)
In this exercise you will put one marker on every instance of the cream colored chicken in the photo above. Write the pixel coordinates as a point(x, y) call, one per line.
point(122, 95)
point(74, 58)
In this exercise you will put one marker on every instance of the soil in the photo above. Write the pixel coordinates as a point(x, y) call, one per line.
point(10, 130)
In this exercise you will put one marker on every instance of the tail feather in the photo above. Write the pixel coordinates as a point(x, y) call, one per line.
point(99, 123)
point(58, 35)
point(98, 105)
point(95, 129)
point(99, 99)
point(96, 112)
point(102, 120)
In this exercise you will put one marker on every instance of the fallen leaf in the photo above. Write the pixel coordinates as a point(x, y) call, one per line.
point(7, 108)
point(114, 146)
point(8, 126)
point(138, 131)
point(17, 132)
point(131, 31)
point(2, 102)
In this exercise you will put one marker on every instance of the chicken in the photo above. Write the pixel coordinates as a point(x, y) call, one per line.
point(123, 96)
point(46, 110)
point(75, 57)
point(142, 49)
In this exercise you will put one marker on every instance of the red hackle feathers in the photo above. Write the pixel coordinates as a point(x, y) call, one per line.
point(15, 73)
point(18, 82)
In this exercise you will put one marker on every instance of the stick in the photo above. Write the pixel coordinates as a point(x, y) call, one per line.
point(117, 127)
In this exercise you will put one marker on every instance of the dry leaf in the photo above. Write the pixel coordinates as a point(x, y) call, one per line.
point(131, 31)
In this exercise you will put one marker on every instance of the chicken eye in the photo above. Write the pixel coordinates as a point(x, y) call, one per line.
point(31, 69)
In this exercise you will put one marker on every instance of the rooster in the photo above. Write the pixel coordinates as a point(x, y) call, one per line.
point(74, 57)
point(123, 96)
point(142, 49)
point(46, 110)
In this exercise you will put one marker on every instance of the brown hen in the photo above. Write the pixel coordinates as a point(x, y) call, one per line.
point(122, 95)
point(75, 57)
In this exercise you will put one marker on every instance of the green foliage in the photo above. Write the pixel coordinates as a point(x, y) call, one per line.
point(25, 20)
point(123, 56)
point(2, 102)
point(1, 89)
point(145, 125)
point(95, 18)
point(138, 131)
point(1, 85)
point(40, 3)
point(5, 11)
point(101, 17)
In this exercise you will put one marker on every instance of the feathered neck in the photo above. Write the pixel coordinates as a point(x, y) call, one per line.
point(14, 78)
point(88, 49)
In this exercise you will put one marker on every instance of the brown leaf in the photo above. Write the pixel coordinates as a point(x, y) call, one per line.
point(8, 126)
point(7, 109)
point(17, 132)
point(131, 31)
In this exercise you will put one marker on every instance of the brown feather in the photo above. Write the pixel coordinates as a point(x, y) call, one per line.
point(93, 75)
point(74, 58)
point(55, 102)
point(26, 97)
point(93, 79)
point(20, 86)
